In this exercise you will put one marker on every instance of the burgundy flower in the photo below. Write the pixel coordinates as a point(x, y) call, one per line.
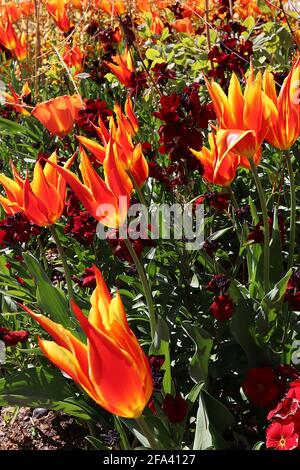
point(17, 228)
point(156, 363)
point(88, 278)
point(90, 115)
point(218, 284)
point(222, 307)
point(261, 386)
point(218, 201)
point(162, 74)
point(11, 338)
point(175, 408)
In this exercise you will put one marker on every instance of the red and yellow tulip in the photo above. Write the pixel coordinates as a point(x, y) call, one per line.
point(112, 368)
point(247, 111)
point(122, 67)
point(16, 101)
point(121, 132)
point(220, 163)
point(107, 201)
point(11, 41)
point(73, 57)
point(58, 11)
point(43, 199)
point(284, 108)
point(59, 114)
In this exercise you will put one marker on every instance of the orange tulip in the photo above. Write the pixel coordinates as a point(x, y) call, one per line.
point(157, 25)
point(73, 57)
point(122, 67)
point(58, 11)
point(284, 109)
point(112, 7)
point(10, 40)
point(143, 5)
point(130, 156)
point(112, 368)
point(107, 201)
point(184, 26)
point(15, 101)
point(43, 199)
point(59, 114)
point(220, 162)
point(246, 111)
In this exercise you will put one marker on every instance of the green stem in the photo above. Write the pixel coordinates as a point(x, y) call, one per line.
point(147, 433)
point(293, 212)
point(137, 189)
point(63, 258)
point(233, 198)
point(144, 281)
point(264, 210)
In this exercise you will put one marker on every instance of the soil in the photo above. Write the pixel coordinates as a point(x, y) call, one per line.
point(39, 429)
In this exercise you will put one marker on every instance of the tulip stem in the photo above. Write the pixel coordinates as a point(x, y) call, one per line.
point(63, 258)
point(137, 189)
point(147, 433)
point(264, 210)
point(293, 212)
point(144, 281)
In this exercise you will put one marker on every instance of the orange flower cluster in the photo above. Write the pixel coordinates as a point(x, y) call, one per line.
point(249, 118)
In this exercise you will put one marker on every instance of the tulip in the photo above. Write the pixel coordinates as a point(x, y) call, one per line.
point(10, 40)
point(157, 25)
point(59, 114)
point(15, 101)
point(220, 162)
point(58, 11)
point(284, 108)
point(42, 200)
point(247, 111)
point(130, 156)
point(107, 201)
point(122, 67)
point(73, 57)
point(184, 26)
point(112, 7)
point(112, 368)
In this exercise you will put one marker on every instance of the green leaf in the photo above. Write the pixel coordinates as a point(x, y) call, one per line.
point(276, 259)
point(96, 443)
point(203, 439)
point(161, 346)
point(41, 387)
point(152, 54)
point(242, 327)
point(11, 127)
point(263, 6)
point(51, 299)
point(198, 368)
point(273, 298)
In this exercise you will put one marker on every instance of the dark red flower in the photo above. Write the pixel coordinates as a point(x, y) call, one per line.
point(222, 307)
point(261, 386)
point(162, 74)
point(156, 363)
point(11, 338)
point(218, 284)
point(80, 224)
point(218, 201)
point(88, 278)
point(17, 228)
point(90, 115)
point(175, 408)
point(281, 436)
